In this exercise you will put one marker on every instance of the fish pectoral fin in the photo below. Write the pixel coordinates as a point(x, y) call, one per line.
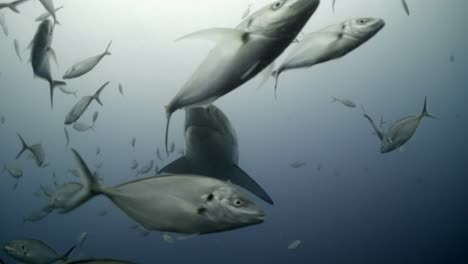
point(238, 177)
point(266, 74)
point(252, 69)
point(218, 35)
point(178, 166)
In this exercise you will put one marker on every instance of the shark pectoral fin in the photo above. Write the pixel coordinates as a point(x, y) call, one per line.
point(218, 35)
point(178, 166)
point(238, 177)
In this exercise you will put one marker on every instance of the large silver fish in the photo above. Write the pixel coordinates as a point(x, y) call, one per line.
point(13, 5)
point(33, 251)
point(80, 107)
point(180, 204)
point(85, 66)
point(241, 53)
point(330, 43)
point(211, 149)
point(41, 50)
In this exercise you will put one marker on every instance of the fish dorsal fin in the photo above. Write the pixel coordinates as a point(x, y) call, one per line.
point(238, 177)
point(218, 35)
point(178, 166)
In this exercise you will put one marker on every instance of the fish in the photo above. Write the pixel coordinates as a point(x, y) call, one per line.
point(145, 168)
point(3, 24)
point(405, 7)
point(297, 165)
point(247, 11)
point(169, 239)
point(36, 150)
point(80, 107)
point(98, 150)
point(67, 91)
point(46, 15)
point(100, 261)
point(452, 58)
point(133, 142)
point(330, 43)
point(14, 170)
point(13, 6)
point(211, 149)
point(121, 91)
point(344, 101)
point(241, 53)
point(183, 204)
point(41, 51)
point(82, 238)
point(134, 165)
point(37, 216)
point(158, 154)
point(49, 6)
point(295, 245)
point(82, 127)
point(67, 137)
point(85, 66)
point(333, 5)
point(319, 167)
point(403, 130)
point(33, 251)
point(2, 120)
point(17, 50)
point(58, 198)
point(95, 116)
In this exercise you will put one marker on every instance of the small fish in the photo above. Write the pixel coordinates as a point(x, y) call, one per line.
point(121, 91)
point(49, 6)
point(46, 15)
point(344, 101)
point(59, 197)
point(34, 251)
point(36, 150)
point(405, 7)
point(67, 137)
point(17, 49)
point(247, 11)
point(2, 120)
point(15, 171)
point(319, 167)
point(41, 51)
point(134, 165)
point(85, 66)
point(3, 24)
point(98, 150)
point(80, 107)
point(13, 6)
point(333, 5)
point(452, 58)
point(169, 239)
point(295, 245)
point(67, 91)
point(95, 116)
point(82, 127)
point(82, 238)
point(297, 165)
point(133, 142)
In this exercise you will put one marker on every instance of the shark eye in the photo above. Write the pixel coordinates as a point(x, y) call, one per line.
point(277, 5)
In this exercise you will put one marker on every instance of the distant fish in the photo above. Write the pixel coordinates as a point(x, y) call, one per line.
point(319, 167)
point(295, 245)
point(82, 127)
point(98, 150)
point(46, 15)
point(95, 116)
point(36, 150)
point(13, 5)
point(67, 137)
point(67, 91)
point(405, 7)
point(133, 142)
point(344, 101)
point(49, 6)
point(15, 171)
point(82, 238)
point(41, 51)
point(80, 107)
point(168, 239)
point(329, 43)
point(34, 251)
point(452, 58)
point(17, 50)
point(297, 165)
point(121, 91)
point(85, 66)
point(333, 5)
point(134, 165)
point(247, 11)
point(2, 120)
point(3, 24)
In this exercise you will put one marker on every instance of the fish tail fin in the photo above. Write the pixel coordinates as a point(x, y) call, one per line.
point(97, 95)
point(13, 7)
point(53, 85)
point(168, 117)
point(16, 184)
point(107, 52)
point(67, 254)
point(24, 146)
point(276, 75)
point(334, 99)
point(425, 112)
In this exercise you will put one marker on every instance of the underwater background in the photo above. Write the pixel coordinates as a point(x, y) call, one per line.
point(348, 204)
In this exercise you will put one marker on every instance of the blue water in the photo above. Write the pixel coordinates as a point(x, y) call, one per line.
point(361, 207)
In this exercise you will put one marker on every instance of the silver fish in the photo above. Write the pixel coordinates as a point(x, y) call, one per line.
point(98, 150)
point(3, 24)
point(2, 120)
point(330, 43)
point(85, 66)
point(36, 150)
point(95, 116)
point(82, 127)
point(333, 5)
point(211, 149)
point(121, 91)
point(80, 107)
point(13, 6)
point(58, 198)
point(82, 238)
point(405, 7)
point(133, 142)
point(297, 165)
point(33, 251)
point(168, 239)
point(17, 49)
point(67, 91)
point(247, 11)
point(41, 51)
point(344, 101)
point(67, 137)
point(181, 204)
point(295, 244)
point(14, 170)
point(241, 53)
point(46, 15)
point(49, 6)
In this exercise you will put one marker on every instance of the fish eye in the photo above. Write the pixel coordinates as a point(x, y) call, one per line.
point(238, 203)
point(277, 5)
point(210, 197)
point(362, 21)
